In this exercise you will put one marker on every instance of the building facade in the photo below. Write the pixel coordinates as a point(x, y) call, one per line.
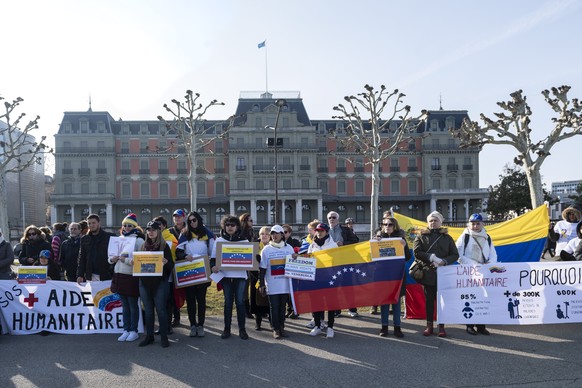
point(108, 167)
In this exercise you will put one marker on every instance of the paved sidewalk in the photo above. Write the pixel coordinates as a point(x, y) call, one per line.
point(532, 356)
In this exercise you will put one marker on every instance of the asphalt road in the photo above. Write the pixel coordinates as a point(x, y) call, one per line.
point(529, 356)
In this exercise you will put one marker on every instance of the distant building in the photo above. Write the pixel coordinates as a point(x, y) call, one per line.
point(562, 191)
point(106, 166)
point(25, 196)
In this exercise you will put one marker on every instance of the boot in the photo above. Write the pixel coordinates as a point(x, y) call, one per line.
point(165, 342)
point(398, 332)
point(149, 339)
point(384, 331)
point(429, 329)
point(282, 332)
point(258, 321)
point(442, 332)
point(374, 310)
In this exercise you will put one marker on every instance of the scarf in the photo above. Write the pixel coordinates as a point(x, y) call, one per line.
point(320, 241)
point(133, 231)
point(480, 241)
point(277, 245)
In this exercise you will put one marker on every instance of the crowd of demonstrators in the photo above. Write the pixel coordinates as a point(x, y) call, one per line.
point(475, 247)
point(391, 229)
point(233, 281)
point(272, 278)
point(433, 247)
point(248, 233)
point(565, 229)
point(259, 303)
point(123, 282)
point(195, 240)
point(153, 290)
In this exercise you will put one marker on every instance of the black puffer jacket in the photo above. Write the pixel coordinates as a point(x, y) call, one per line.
point(439, 242)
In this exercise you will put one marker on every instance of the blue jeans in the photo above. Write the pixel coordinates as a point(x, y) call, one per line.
point(384, 310)
point(157, 298)
point(234, 290)
point(130, 310)
point(277, 304)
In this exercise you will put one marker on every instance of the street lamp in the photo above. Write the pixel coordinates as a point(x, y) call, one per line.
point(281, 102)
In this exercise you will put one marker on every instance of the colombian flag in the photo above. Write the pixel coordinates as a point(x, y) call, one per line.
point(521, 239)
point(347, 277)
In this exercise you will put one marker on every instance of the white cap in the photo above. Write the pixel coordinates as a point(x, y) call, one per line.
point(277, 229)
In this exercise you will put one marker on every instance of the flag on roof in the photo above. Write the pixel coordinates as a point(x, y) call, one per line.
point(262, 44)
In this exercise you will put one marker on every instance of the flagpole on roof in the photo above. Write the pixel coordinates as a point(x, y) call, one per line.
point(261, 45)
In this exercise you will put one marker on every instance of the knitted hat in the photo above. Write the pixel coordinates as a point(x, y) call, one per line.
point(130, 219)
point(437, 215)
point(45, 254)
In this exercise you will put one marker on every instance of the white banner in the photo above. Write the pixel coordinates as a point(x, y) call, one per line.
point(510, 293)
point(60, 307)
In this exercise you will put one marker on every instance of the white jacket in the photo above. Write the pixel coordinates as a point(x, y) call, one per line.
point(466, 254)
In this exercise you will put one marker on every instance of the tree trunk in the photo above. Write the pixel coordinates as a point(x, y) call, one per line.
point(192, 179)
point(4, 207)
point(534, 180)
point(374, 197)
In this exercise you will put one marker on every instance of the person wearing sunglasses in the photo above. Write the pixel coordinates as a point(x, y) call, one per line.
point(391, 229)
point(247, 232)
point(123, 282)
point(33, 242)
point(195, 240)
point(233, 282)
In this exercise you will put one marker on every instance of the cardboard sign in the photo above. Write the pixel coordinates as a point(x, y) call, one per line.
point(237, 256)
point(187, 273)
point(148, 263)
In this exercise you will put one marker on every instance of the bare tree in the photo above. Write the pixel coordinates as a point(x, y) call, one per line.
point(193, 132)
point(18, 149)
point(373, 137)
point(512, 127)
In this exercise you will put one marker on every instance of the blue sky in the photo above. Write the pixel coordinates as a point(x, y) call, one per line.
point(134, 56)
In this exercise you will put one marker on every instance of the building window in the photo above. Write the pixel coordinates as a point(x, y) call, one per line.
point(436, 184)
point(259, 122)
point(163, 164)
point(434, 125)
point(394, 186)
point(125, 147)
point(435, 164)
point(241, 164)
point(436, 143)
point(260, 184)
point(359, 186)
point(201, 188)
point(287, 183)
point(68, 188)
point(341, 186)
point(305, 184)
point(84, 126)
point(125, 190)
point(101, 188)
point(412, 186)
point(323, 186)
point(144, 188)
point(219, 188)
point(450, 122)
point(164, 190)
point(240, 184)
point(468, 183)
point(182, 189)
point(452, 184)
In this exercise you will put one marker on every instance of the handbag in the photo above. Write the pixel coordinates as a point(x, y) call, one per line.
point(416, 271)
point(261, 299)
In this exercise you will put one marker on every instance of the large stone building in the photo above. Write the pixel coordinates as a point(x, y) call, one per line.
point(107, 166)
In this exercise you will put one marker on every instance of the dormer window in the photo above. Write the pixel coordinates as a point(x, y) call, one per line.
point(434, 125)
point(450, 122)
point(84, 125)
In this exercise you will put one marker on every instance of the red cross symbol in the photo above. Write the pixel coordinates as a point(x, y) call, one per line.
point(31, 300)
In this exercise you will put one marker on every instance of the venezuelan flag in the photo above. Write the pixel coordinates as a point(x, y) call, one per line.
point(347, 277)
point(277, 267)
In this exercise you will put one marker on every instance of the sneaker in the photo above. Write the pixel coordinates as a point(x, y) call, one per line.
point(123, 336)
point(338, 314)
point(354, 314)
point(200, 331)
point(311, 324)
point(276, 334)
point(330, 333)
point(132, 336)
point(315, 332)
point(193, 331)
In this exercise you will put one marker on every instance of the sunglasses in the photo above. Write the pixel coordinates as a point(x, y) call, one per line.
point(230, 225)
point(250, 220)
point(332, 217)
point(388, 224)
point(192, 220)
point(31, 234)
point(287, 232)
point(128, 226)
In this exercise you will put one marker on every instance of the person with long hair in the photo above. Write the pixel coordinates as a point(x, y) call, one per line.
point(33, 242)
point(195, 240)
point(247, 232)
point(124, 283)
point(233, 282)
point(433, 248)
point(391, 229)
point(153, 289)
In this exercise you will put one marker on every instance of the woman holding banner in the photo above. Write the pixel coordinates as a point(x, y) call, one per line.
point(433, 247)
point(233, 282)
point(195, 240)
point(391, 229)
point(153, 290)
point(475, 247)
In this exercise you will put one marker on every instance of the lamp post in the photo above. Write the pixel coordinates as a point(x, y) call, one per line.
point(281, 102)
